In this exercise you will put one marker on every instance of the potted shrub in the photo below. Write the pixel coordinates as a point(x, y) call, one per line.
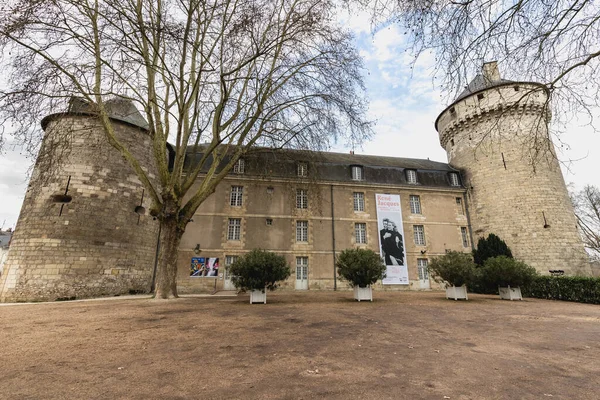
point(258, 271)
point(508, 275)
point(456, 270)
point(360, 268)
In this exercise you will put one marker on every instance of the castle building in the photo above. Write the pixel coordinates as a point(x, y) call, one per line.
point(83, 230)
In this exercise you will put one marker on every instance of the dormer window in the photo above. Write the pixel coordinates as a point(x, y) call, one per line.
point(302, 169)
point(454, 180)
point(411, 176)
point(238, 168)
point(357, 173)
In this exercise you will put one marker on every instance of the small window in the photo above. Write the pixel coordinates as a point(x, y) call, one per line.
point(360, 232)
point(454, 181)
point(302, 198)
point(357, 173)
point(452, 111)
point(302, 169)
point(269, 221)
point(419, 234)
point(480, 96)
point(359, 201)
point(270, 189)
point(238, 168)
point(516, 88)
point(415, 204)
point(422, 269)
point(411, 176)
point(301, 231)
point(234, 230)
point(235, 197)
point(459, 206)
point(451, 142)
point(465, 236)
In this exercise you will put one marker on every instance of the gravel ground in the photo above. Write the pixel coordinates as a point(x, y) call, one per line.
point(404, 345)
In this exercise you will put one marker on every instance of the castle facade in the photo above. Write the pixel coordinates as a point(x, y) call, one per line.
point(84, 231)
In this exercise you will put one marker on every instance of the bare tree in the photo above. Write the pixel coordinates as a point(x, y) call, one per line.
point(555, 43)
point(587, 211)
point(224, 76)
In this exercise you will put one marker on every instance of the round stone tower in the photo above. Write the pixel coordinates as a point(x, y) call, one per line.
point(84, 230)
point(496, 133)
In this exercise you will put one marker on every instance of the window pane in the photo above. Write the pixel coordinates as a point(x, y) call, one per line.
point(359, 201)
point(411, 176)
point(301, 198)
point(419, 234)
point(238, 168)
point(234, 229)
point(236, 196)
point(454, 179)
point(360, 232)
point(357, 173)
point(415, 204)
point(302, 231)
point(302, 169)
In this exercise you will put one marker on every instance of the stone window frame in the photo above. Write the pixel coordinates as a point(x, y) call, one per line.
point(302, 199)
point(360, 232)
point(234, 229)
point(302, 231)
point(414, 201)
point(236, 196)
point(359, 201)
point(419, 235)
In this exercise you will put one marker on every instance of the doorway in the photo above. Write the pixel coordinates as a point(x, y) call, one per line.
point(227, 284)
point(423, 273)
point(301, 273)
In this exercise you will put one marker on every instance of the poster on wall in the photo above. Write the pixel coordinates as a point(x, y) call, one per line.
point(391, 238)
point(202, 267)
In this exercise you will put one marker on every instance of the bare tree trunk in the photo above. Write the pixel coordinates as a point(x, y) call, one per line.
point(170, 237)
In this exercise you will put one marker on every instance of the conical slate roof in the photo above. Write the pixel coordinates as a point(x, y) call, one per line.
point(479, 83)
point(118, 108)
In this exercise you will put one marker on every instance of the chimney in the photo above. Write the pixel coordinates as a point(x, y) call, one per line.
point(490, 71)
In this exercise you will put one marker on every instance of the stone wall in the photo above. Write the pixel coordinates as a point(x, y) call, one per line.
point(96, 244)
point(515, 188)
point(274, 199)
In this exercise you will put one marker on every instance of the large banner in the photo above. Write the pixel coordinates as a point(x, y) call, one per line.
point(391, 238)
point(202, 267)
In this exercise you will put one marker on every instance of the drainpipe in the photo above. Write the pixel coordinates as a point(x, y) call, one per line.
point(333, 240)
point(466, 203)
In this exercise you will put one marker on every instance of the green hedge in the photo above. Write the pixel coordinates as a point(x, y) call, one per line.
point(566, 288)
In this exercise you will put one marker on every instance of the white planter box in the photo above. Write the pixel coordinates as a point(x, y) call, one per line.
point(258, 296)
point(457, 292)
point(363, 293)
point(510, 293)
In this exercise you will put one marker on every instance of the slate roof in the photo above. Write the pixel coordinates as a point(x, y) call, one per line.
point(119, 109)
point(479, 83)
point(336, 167)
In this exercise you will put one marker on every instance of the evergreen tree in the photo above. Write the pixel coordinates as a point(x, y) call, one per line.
point(489, 247)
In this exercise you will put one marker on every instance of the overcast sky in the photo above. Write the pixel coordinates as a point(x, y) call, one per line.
point(405, 104)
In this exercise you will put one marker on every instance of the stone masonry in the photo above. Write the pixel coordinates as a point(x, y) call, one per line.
point(496, 133)
point(78, 234)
